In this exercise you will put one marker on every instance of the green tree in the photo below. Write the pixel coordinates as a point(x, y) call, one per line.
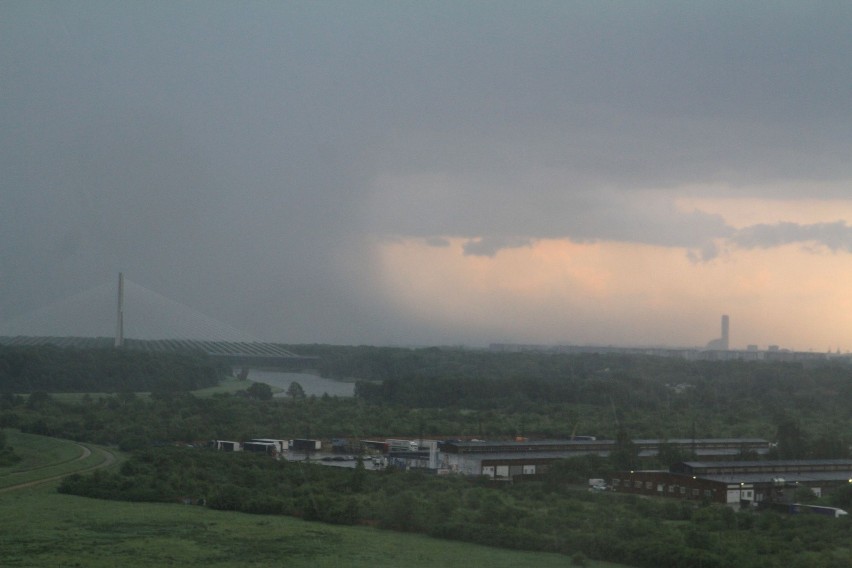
point(804, 495)
point(7, 454)
point(792, 440)
point(625, 454)
point(38, 400)
point(295, 391)
point(830, 445)
point(260, 391)
point(359, 476)
point(669, 454)
point(842, 496)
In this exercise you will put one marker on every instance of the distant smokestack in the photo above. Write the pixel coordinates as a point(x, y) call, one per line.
point(725, 330)
point(119, 324)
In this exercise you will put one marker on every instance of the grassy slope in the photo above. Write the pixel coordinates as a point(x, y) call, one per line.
point(229, 385)
point(39, 527)
point(44, 458)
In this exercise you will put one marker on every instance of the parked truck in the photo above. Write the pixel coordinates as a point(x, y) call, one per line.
point(818, 510)
point(803, 509)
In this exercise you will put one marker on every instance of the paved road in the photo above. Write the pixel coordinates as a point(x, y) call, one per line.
point(85, 453)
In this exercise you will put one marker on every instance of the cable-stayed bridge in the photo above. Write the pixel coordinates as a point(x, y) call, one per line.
point(143, 320)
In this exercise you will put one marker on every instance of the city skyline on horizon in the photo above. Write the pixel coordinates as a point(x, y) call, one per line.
point(63, 318)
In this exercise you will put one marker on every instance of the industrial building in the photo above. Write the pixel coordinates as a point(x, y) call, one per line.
point(738, 483)
point(272, 446)
point(504, 460)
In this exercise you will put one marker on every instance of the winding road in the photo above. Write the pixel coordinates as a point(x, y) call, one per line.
point(109, 459)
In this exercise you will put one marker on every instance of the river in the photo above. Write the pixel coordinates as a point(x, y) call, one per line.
point(312, 384)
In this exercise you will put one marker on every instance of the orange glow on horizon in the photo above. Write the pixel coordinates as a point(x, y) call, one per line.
point(558, 291)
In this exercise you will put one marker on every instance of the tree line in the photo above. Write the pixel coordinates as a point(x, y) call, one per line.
point(49, 368)
point(807, 411)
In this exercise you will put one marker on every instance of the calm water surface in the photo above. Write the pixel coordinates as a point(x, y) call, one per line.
point(312, 384)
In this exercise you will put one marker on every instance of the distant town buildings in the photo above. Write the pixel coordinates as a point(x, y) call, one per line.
point(716, 350)
point(694, 354)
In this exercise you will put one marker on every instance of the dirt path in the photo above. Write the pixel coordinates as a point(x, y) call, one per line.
point(86, 452)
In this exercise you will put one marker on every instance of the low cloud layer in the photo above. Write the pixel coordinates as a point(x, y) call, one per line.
point(835, 236)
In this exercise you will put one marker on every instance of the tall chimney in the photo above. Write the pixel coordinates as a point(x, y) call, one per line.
point(725, 330)
point(119, 324)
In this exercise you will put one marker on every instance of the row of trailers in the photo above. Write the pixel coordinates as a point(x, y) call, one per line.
point(270, 446)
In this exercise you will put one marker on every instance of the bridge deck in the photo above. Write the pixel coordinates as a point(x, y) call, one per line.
point(233, 352)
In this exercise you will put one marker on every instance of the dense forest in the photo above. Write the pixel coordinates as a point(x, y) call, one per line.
point(808, 405)
point(47, 368)
point(436, 393)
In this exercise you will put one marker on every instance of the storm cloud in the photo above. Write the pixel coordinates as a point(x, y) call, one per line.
point(247, 159)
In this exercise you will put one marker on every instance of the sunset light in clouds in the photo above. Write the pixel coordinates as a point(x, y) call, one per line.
point(560, 291)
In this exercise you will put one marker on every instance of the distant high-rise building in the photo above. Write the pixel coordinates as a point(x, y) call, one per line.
point(723, 343)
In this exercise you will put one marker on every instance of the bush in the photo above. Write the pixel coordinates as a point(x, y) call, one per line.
point(260, 391)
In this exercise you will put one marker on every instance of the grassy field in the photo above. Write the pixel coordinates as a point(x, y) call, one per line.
point(40, 527)
point(44, 458)
point(37, 452)
point(228, 385)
